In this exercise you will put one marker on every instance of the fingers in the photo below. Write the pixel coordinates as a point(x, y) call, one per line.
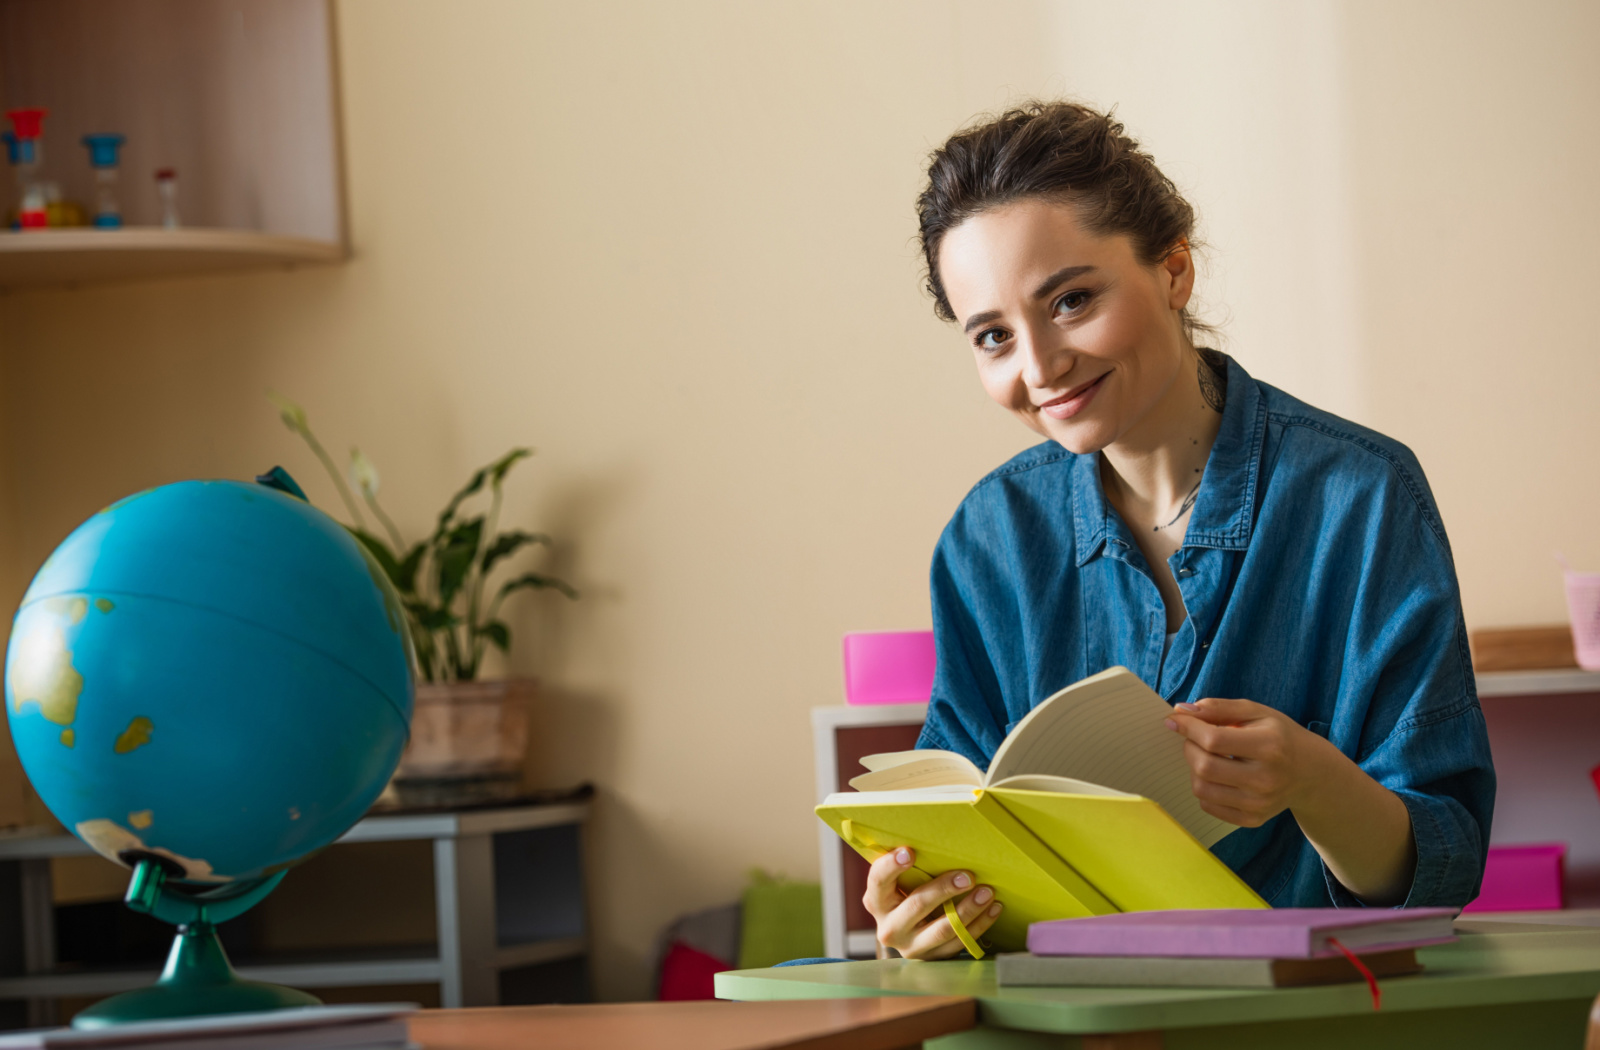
point(897, 926)
point(1220, 769)
point(926, 900)
point(1263, 740)
point(1243, 800)
point(1232, 815)
point(1222, 740)
point(883, 891)
point(978, 911)
point(1222, 712)
point(914, 922)
point(1245, 793)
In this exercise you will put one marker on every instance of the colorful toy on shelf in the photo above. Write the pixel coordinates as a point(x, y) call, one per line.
point(103, 159)
point(167, 189)
point(27, 152)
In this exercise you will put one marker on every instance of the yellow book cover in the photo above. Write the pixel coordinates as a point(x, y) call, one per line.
point(1085, 809)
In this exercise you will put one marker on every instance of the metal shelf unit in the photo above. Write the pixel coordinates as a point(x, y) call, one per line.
point(508, 892)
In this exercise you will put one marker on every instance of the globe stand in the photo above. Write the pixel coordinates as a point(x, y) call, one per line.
point(198, 978)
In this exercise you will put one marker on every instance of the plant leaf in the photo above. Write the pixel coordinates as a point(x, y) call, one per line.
point(406, 580)
point(446, 516)
point(502, 466)
point(494, 472)
point(455, 557)
point(506, 544)
point(380, 554)
point(534, 581)
point(497, 633)
point(430, 618)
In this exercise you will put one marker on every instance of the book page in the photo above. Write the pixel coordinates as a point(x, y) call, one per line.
point(1109, 729)
point(900, 770)
point(1060, 785)
point(938, 793)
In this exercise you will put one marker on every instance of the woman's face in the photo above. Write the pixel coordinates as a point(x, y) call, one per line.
point(1070, 331)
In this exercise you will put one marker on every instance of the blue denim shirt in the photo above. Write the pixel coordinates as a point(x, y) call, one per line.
point(1318, 580)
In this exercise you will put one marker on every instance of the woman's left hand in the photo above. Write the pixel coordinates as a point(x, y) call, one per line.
point(1247, 762)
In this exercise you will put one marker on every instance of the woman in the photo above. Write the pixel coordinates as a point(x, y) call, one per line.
point(1278, 573)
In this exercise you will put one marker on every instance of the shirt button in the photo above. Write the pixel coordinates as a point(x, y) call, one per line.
point(1185, 572)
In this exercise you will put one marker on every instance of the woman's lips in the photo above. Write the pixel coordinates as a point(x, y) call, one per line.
point(1073, 401)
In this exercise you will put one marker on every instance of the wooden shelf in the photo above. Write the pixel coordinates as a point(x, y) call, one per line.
point(44, 258)
point(1565, 681)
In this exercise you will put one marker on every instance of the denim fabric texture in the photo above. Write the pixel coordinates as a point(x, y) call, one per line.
point(1318, 581)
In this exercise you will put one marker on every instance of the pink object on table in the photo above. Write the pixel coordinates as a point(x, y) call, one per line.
point(1523, 878)
point(1243, 933)
point(888, 667)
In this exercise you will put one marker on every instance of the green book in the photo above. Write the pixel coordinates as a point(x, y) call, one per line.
point(1124, 971)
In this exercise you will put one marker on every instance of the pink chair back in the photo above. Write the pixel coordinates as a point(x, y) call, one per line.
point(888, 667)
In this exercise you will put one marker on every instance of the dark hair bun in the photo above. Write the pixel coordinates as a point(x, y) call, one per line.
point(1054, 151)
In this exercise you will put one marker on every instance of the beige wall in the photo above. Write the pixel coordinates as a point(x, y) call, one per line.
point(1477, 128)
point(671, 246)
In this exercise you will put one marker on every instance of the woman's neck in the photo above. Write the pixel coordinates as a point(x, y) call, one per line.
point(1152, 473)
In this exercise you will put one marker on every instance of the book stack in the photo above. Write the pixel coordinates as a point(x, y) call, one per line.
point(1227, 948)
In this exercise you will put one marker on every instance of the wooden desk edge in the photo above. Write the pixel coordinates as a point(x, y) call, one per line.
point(910, 1020)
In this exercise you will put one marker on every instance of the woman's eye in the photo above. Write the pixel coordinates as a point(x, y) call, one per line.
point(1072, 302)
point(991, 340)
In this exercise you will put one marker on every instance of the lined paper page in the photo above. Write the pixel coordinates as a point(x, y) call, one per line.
point(1110, 729)
point(1060, 785)
point(958, 792)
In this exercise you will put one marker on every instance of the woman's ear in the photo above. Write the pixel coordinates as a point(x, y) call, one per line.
point(1179, 265)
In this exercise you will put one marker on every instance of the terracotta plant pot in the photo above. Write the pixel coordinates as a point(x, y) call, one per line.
point(468, 731)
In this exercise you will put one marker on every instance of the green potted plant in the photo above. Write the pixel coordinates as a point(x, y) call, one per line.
point(468, 735)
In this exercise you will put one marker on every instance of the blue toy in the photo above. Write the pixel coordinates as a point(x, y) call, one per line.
point(103, 158)
point(208, 682)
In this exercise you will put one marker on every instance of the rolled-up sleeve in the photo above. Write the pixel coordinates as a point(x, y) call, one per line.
point(1449, 812)
point(1410, 715)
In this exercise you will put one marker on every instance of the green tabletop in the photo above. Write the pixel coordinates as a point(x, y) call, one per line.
point(1529, 983)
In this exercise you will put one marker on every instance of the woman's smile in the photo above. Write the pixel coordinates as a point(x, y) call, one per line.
point(1075, 400)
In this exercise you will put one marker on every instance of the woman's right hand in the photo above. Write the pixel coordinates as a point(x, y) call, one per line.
point(914, 923)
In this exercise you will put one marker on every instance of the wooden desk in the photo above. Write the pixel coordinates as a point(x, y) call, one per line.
point(1503, 984)
point(815, 1024)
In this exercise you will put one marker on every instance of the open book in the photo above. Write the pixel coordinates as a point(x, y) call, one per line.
point(1085, 809)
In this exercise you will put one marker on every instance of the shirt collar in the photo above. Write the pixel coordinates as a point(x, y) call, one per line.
point(1224, 511)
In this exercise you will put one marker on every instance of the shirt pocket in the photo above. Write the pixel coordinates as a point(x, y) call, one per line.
point(1319, 728)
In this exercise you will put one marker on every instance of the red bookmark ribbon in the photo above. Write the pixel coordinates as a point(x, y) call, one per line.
point(1372, 982)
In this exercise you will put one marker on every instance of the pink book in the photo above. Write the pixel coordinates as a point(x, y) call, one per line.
point(1243, 933)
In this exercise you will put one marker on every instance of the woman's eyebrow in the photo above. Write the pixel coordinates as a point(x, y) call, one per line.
point(1061, 276)
point(984, 318)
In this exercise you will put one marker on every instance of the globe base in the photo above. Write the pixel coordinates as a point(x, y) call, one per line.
point(198, 980)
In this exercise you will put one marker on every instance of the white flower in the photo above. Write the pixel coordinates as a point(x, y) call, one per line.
point(294, 417)
point(363, 475)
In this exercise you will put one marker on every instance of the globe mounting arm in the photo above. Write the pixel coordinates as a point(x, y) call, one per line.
point(151, 893)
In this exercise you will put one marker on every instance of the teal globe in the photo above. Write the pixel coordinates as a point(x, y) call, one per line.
point(212, 676)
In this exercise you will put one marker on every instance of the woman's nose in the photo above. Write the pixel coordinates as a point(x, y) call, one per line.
point(1044, 360)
